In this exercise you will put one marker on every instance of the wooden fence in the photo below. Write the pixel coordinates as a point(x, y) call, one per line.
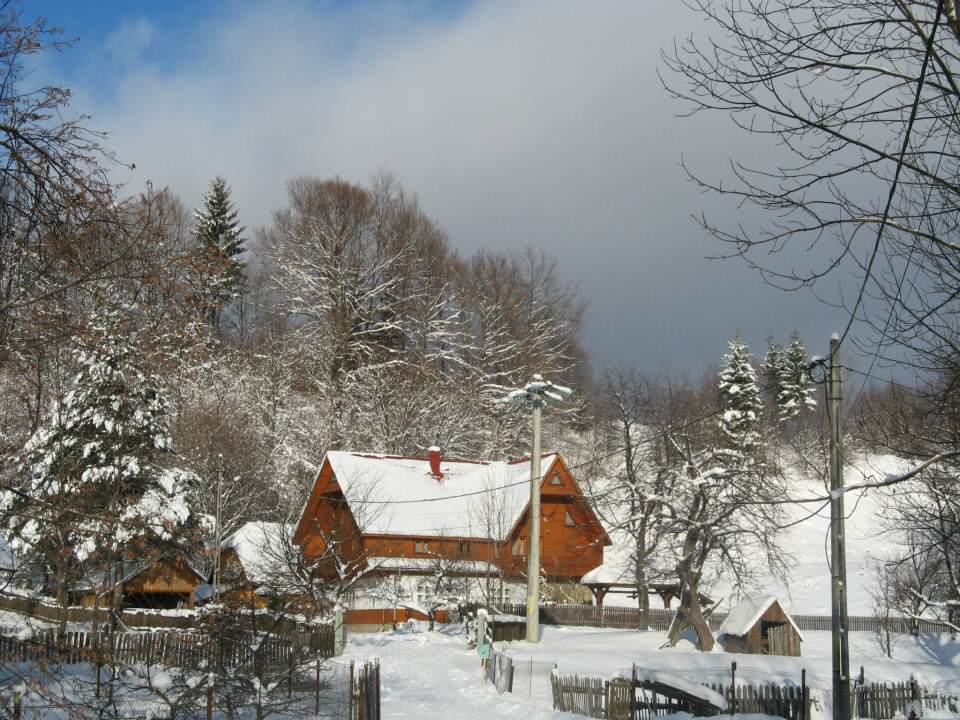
point(190, 651)
point(660, 619)
point(882, 701)
point(626, 699)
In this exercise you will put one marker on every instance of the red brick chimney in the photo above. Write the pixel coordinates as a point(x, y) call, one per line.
point(435, 455)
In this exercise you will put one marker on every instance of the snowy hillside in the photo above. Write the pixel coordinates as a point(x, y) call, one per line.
point(808, 588)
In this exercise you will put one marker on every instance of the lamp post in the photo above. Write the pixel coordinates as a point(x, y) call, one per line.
point(534, 394)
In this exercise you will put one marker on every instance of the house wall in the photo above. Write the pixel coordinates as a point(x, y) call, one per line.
point(566, 551)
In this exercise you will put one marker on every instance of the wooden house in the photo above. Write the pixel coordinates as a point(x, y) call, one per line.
point(759, 625)
point(165, 583)
point(404, 518)
point(254, 565)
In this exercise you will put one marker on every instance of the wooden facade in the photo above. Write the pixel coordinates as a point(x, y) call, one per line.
point(572, 536)
point(773, 633)
point(167, 583)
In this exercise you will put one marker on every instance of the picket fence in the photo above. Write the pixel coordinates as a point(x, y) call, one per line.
point(660, 619)
point(624, 699)
point(883, 701)
point(187, 650)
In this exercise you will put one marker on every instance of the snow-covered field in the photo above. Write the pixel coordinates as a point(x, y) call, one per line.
point(434, 675)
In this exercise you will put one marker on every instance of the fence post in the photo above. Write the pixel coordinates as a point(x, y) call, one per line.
point(316, 687)
point(803, 694)
point(210, 702)
point(350, 694)
point(633, 685)
point(17, 708)
point(290, 671)
point(733, 688)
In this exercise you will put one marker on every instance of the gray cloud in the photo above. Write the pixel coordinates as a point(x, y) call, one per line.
point(517, 124)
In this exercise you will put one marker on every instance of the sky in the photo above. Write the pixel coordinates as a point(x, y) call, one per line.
point(517, 124)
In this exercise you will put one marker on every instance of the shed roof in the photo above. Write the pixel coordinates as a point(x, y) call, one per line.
point(747, 612)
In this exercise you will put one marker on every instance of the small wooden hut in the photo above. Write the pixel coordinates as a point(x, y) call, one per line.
point(165, 583)
point(759, 625)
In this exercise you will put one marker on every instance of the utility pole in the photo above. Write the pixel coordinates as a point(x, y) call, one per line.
point(533, 551)
point(838, 543)
point(534, 394)
point(218, 532)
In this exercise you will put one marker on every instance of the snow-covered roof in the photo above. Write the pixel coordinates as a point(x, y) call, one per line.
point(380, 490)
point(428, 565)
point(618, 564)
point(262, 548)
point(746, 613)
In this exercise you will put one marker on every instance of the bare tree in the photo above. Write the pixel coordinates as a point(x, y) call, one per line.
point(633, 478)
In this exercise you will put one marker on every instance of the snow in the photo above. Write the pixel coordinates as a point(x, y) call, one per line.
point(680, 683)
point(425, 674)
point(382, 490)
point(746, 613)
point(429, 565)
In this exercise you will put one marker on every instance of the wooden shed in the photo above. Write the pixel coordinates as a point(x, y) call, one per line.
point(165, 583)
point(759, 625)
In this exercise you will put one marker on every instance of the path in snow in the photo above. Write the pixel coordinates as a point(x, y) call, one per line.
point(434, 675)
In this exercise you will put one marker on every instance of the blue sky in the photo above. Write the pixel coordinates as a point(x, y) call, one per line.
point(539, 123)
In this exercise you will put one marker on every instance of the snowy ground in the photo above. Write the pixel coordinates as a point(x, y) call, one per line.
point(434, 675)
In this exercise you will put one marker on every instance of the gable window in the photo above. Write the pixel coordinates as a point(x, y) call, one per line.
point(520, 546)
point(555, 480)
point(569, 521)
point(421, 546)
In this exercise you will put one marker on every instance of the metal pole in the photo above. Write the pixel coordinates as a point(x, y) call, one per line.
point(217, 535)
point(533, 541)
point(838, 554)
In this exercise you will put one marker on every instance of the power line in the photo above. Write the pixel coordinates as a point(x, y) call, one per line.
point(896, 174)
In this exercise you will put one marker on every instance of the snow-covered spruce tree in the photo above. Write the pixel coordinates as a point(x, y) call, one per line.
point(772, 368)
point(741, 404)
point(220, 243)
point(795, 391)
point(91, 494)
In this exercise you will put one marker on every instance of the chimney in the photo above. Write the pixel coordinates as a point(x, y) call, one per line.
point(435, 462)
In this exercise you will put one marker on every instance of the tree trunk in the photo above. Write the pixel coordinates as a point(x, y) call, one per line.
point(690, 614)
point(643, 588)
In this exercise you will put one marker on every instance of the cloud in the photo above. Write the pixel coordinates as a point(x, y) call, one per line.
point(539, 123)
point(127, 44)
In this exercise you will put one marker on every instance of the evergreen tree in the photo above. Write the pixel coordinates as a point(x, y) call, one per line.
point(796, 391)
point(772, 368)
point(740, 400)
point(219, 269)
point(90, 486)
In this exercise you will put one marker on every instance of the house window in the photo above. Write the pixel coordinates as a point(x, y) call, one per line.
point(464, 548)
point(520, 546)
point(555, 480)
point(568, 520)
point(421, 546)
